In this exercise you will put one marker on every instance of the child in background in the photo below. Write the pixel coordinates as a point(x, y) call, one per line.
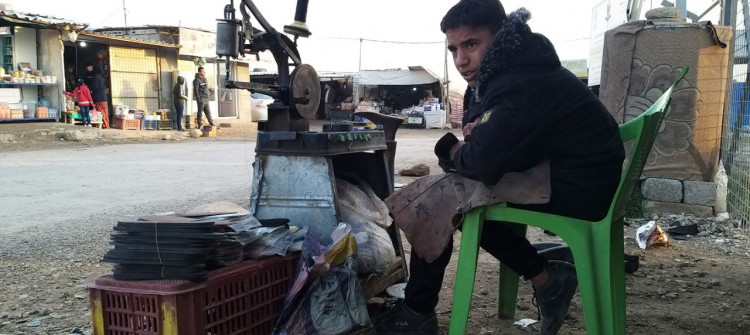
point(83, 95)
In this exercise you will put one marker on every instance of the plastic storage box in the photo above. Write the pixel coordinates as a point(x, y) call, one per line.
point(149, 124)
point(245, 298)
point(165, 125)
point(128, 124)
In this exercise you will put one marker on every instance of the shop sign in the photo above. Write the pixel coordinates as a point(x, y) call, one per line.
point(197, 43)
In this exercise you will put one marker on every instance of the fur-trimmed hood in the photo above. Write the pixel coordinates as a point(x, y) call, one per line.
point(514, 46)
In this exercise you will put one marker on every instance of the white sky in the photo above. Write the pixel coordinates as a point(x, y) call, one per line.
point(565, 22)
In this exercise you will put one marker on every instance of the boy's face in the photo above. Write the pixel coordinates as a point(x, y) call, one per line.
point(468, 46)
point(90, 68)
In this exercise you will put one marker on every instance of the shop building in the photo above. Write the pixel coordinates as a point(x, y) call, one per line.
point(198, 48)
point(138, 74)
point(32, 63)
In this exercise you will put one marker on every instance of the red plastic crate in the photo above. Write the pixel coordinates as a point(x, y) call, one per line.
point(245, 298)
point(127, 124)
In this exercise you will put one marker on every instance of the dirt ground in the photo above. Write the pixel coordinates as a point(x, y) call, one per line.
point(48, 258)
point(689, 287)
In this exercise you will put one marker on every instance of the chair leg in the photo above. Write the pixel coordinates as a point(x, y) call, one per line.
point(602, 289)
point(617, 259)
point(507, 293)
point(508, 287)
point(471, 233)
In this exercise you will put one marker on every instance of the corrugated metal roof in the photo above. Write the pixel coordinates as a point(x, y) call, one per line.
point(152, 26)
point(128, 40)
point(40, 19)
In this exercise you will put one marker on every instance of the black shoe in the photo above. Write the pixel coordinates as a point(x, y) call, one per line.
point(554, 297)
point(401, 320)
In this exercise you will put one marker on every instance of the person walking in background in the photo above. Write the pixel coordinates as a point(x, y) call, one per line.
point(95, 83)
point(200, 92)
point(83, 95)
point(179, 94)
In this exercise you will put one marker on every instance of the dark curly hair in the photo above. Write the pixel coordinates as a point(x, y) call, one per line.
point(475, 13)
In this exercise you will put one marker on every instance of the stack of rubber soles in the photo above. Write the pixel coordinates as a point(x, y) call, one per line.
point(146, 250)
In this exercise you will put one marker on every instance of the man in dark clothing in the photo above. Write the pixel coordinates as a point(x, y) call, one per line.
point(179, 95)
point(201, 94)
point(523, 108)
point(95, 82)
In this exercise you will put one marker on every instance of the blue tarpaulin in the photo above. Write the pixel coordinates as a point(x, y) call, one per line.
point(738, 96)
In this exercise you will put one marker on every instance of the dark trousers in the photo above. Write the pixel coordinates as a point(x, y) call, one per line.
point(203, 106)
point(178, 109)
point(515, 251)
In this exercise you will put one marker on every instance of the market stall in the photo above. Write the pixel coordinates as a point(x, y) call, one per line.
point(137, 74)
point(414, 94)
point(31, 66)
point(340, 97)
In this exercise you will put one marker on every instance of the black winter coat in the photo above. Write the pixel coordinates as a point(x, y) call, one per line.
point(532, 109)
point(200, 89)
point(95, 82)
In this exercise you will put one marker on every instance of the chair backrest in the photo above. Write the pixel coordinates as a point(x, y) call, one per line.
point(643, 130)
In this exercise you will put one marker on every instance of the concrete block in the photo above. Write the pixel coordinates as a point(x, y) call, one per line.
point(661, 208)
point(663, 190)
point(699, 193)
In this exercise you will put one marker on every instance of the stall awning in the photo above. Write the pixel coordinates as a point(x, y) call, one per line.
point(415, 75)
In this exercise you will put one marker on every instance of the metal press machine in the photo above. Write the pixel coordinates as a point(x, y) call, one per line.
point(295, 169)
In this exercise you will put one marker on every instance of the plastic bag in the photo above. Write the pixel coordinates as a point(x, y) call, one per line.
point(362, 199)
point(268, 241)
point(368, 217)
point(650, 234)
point(326, 298)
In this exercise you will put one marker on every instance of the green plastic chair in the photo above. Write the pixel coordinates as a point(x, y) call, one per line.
point(597, 247)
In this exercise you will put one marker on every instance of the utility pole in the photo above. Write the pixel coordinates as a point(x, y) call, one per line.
point(125, 13)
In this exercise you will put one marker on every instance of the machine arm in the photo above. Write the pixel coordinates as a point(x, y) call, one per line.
point(289, 49)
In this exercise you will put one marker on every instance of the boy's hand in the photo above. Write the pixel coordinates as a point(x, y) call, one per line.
point(469, 128)
point(444, 152)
